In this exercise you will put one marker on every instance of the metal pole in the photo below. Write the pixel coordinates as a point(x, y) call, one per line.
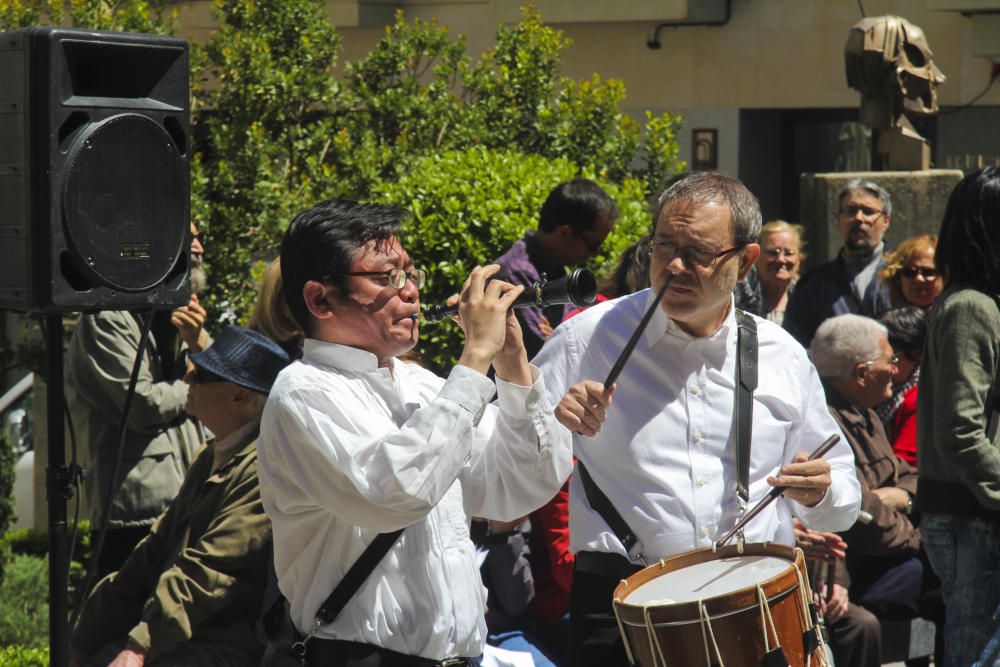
point(57, 490)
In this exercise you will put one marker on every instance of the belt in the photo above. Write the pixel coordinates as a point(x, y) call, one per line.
point(603, 564)
point(337, 653)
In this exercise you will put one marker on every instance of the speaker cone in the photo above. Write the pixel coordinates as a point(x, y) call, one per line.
point(124, 192)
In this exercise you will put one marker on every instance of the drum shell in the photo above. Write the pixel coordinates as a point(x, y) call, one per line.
point(736, 619)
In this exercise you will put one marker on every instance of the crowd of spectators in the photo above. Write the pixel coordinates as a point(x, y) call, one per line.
point(904, 340)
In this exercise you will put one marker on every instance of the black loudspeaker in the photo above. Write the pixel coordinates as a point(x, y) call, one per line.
point(94, 171)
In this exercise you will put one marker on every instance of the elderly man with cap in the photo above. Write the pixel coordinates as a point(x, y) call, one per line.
point(190, 591)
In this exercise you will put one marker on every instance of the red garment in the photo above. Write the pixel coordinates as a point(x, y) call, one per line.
point(551, 559)
point(600, 298)
point(904, 428)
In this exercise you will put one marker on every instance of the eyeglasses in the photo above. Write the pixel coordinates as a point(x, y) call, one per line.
point(202, 376)
point(852, 210)
point(665, 251)
point(923, 272)
point(775, 253)
point(395, 278)
point(892, 361)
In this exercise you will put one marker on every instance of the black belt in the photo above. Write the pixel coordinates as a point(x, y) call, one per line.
point(602, 564)
point(337, 653)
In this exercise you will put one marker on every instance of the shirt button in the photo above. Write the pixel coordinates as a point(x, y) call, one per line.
point(695, 390)
point(697, 435)
point(704, 530)
point(701, 481)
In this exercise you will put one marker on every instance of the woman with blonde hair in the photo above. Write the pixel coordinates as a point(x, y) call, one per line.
point(767, 286)
point(911, 274)
point(271, 315)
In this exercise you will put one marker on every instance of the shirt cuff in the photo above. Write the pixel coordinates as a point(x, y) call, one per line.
point(517, 401)
point(470, 389)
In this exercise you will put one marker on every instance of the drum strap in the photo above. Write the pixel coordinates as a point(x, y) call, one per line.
point(746, 383)
point(601, 504)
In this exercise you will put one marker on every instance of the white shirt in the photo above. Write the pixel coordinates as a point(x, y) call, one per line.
point(348, 450)
point(665, 457)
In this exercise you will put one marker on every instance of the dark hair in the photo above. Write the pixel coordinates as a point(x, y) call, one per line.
point(714, 186)
point(324, 240)
point(884, 199)
point(907, 330)
point(630, 273)
point(968, 251)
point(579, 204)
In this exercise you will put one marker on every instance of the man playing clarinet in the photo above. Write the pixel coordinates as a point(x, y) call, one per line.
point(659, 447)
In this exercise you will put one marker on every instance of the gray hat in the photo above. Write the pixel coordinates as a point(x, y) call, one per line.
point(244, 357)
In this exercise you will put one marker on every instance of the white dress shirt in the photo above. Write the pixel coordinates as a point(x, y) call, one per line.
point(665, 457)
point(348, 450)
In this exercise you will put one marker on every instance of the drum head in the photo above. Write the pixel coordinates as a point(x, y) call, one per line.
point(707, 580)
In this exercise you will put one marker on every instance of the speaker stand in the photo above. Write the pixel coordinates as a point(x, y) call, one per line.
point(58, 491)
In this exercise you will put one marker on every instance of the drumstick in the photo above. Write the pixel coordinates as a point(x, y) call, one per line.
point(774, 493)
point(630, 345)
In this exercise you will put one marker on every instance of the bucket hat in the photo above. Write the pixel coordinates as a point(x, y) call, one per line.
point(244, 357)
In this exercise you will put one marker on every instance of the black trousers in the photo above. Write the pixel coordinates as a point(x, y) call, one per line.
point(594, 637)
point(331, 653)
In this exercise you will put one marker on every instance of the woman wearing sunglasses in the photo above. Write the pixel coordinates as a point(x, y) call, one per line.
point(910, 272)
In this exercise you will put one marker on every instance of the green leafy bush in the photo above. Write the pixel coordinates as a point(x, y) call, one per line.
point(469, 206)
point(282, 134)
point(22, 656)
point(7, 463)
point(24, 602)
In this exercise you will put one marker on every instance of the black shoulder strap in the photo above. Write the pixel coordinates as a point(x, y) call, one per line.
point(601, 504)
point(746, 383)
point(356, 576)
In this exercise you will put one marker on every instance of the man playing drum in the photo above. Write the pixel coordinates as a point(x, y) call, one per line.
point(664, 453)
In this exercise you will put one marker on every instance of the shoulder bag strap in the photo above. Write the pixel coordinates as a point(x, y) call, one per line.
point(359, 572)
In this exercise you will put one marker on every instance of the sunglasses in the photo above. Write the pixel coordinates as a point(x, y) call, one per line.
point(202, 376)
point(928, 274)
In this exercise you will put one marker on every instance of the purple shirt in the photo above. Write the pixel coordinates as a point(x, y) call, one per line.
point(520, 266)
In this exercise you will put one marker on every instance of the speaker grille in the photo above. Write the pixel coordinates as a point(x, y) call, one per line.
point(124, 202)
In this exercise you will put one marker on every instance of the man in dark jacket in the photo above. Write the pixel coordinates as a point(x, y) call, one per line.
point(190, 592)
point(887, 572)
point(848, 283)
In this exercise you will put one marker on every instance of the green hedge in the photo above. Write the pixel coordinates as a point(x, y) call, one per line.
point(24, 602)
point(469, 206)
point(22, 656)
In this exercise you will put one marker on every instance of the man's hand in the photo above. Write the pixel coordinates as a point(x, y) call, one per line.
point(483, 313)
point(893, 497)
point(584, 407)
point(129, 658)
point(544, 326)
point(190, 323)
point(833, 606)
point(807, 481)
point(511, 362)
point(815, 545)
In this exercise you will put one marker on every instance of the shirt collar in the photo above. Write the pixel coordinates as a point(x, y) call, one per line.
point(234, 444)
point(342, 357)
point(660, 325)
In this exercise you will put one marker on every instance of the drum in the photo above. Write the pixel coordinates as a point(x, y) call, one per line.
point(723, 607)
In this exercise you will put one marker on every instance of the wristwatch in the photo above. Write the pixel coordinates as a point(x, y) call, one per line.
point(909, 503)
